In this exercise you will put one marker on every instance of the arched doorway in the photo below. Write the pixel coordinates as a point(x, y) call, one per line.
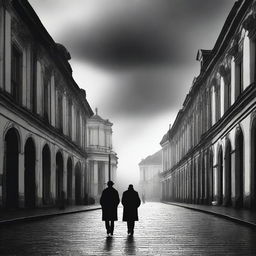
point(30, 186)
point(220, 176)
point(12, 169)
point(227, 199)
point(59, 175)
point(239, 169)
point(253, 166)
point(46, 167)
point(69, 180)
point(78, 182)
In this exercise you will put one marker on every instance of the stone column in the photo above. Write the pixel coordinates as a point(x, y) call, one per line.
point(39, 88)
point(95, 180)
point(25, 77)
point(233, 79)
point(21, 179)
point(246, 62)
point(73, 123)
point(7, 50)
point(53, 173)
point(233, 178)
point(252, 60)
point(106, 172)
point(38, 175)
point(2, 50)
point(65, 175)
point(53, 101)
point(222, 97)
point(64, 107)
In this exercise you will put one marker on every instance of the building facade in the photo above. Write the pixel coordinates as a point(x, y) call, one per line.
point(102, 160)
point(209, 152)
point(149, 184)
point(43, 115)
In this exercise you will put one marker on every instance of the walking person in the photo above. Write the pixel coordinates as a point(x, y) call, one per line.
point(131, 202)
point(109, 201)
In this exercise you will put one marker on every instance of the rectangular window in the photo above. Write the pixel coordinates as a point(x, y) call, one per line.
point(238, 78)
point(70, 118)
point(33, 90)
point(228, 95)
point(78, 128)
point(60, 114)
point(46, 100)
point(16, 73)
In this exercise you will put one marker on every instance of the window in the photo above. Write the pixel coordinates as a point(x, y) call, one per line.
point(46, 99)
point(16, 73)
point(33, 91)
point(78, 127)
point(238, 77)
point(60, 113)
point(70, 118)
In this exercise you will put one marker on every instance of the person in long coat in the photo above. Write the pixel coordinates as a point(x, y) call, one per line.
point(109, 202)
point(131, 203)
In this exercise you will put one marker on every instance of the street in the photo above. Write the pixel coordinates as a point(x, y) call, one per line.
point(162, 230)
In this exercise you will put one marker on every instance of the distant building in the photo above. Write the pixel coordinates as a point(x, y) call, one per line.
point(149, 183)
point(209, 152)
point(102, 160)
point(43, 115)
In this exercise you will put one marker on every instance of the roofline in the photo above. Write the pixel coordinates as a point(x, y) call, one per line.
point(228, 29)
point(29, 16)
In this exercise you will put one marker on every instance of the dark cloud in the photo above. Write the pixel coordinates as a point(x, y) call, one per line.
point(148, 32)
point(145, 93)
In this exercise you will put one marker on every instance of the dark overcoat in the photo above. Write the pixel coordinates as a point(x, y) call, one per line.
point(109, 201)
point(131, 202)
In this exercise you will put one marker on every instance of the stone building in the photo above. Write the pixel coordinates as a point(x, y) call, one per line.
point(43, 115)
point(150, 169)
point(209, 152)
point(102, 160)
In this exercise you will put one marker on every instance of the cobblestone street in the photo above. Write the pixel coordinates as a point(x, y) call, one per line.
point(162, 230)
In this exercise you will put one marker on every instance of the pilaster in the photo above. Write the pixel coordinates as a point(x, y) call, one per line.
point(21, 179)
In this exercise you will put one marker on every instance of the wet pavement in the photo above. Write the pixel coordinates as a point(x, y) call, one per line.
point(21, 215)
point(162, 230)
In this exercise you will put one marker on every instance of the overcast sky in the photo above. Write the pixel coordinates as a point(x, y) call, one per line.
point(136, 61)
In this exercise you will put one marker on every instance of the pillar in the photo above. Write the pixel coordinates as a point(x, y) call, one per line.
point(246, 62)
point(7, 70)
point(65, 175)
point(53, 101)
point(95, 178)
point(106, 172)
point(38, 175)
point(233, 164)
point(21, 179)
point(233, 79)
point(2, 31)
point(53, 173)
point(25, 76)
point(39, 88)
point(222, 97)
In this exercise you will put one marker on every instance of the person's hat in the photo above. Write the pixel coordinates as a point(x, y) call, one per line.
point(110, 183)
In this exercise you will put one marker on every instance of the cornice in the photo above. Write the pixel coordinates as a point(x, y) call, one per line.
point(206, 139)
point(36, 120)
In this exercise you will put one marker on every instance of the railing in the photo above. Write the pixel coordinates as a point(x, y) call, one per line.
point(99, 148)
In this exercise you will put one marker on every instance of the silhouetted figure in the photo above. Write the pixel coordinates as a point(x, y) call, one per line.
point(131, 202)
point(109, 201)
